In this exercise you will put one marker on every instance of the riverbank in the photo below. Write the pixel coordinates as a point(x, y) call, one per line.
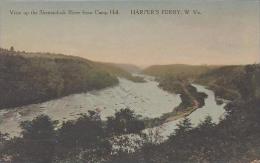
point(190, 97)
point(196, 116)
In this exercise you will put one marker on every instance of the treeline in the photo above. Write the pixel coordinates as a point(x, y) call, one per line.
point(25, 79)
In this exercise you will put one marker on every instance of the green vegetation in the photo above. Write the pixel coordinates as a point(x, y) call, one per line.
point(27, 78)
point(30, 79)
point(124, 122)
point(232, 82)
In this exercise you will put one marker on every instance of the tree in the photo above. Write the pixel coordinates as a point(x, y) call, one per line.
point(11, 48)
point(183, 126)
point(207, 123)
point(246, 82)
point(3, 139)
point(37, 143)
point(85, 136)
point(124, 122)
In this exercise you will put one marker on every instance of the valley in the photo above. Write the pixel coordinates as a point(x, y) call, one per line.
point(70, 106)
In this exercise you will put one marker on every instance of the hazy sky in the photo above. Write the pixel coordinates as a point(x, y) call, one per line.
point(227, 32)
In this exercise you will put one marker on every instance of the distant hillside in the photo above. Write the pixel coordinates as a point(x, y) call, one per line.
point(115, 69)
point(27, 78)
point(128, 67)
point(179, 70)
point(229, 82)
point(232, 82)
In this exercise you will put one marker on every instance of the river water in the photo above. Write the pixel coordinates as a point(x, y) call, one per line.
point(145, 99)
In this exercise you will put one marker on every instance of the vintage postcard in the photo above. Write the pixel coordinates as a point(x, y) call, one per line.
point(129, 81)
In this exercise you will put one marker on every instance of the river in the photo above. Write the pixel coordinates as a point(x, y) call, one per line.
point(145, 99)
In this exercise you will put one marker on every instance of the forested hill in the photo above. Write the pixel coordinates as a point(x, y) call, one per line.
point(180, 70)
point(229, 82)
point(27, 78)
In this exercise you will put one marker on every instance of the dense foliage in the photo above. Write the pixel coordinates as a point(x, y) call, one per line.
point(86, 139)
